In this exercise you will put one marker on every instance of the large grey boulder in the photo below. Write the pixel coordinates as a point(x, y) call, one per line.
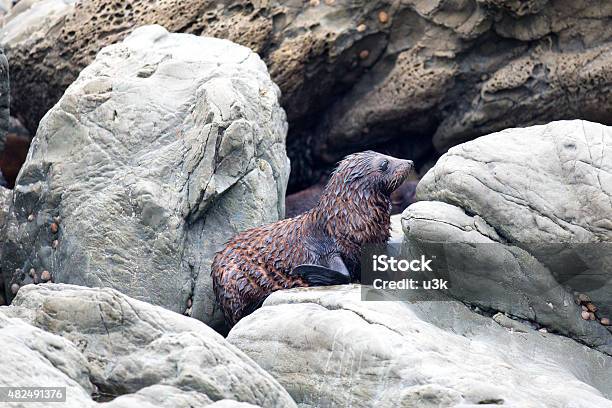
point(405, 76)
point(164, 147)
point(525, 214)
point(140, 353)
point(487, 272)
point(541, 183)
point(328, 347)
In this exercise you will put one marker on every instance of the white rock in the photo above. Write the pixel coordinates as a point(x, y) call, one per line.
point(137, 352)
point(329, 348)
point(162, 149)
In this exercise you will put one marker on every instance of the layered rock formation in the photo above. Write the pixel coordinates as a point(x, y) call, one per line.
point(530, 211)
point(102, 344)
point(328, 347)
point(165, 147)
point(358, 74)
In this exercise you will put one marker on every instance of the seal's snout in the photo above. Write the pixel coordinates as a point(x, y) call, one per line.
point(401, 171)
point(403, 168)
point(406, 166)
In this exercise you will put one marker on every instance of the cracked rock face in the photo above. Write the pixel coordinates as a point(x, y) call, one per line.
point(357, 74)
point(530, 210)
point(165, 146)
point(101, 342)
point(328, 347)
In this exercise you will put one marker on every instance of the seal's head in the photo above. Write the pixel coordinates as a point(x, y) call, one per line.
point(371, 171)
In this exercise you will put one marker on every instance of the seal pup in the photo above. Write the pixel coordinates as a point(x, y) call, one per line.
point(319, 247)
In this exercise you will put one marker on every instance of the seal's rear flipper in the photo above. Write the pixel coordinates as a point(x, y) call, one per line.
point(317, 275)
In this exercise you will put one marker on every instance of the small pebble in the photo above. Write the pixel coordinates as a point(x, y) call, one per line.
point(591, 307)
point(582, 298)
point(31, 217)
point(32, 272)
point(584, 308)
point(314, 3)
point(361, 28)
point(585, 315)
point(330, 2)
point(364, 54)
point(55, 244)
point(54, 228)
point(543, 330)
point(14, 288)
point(605, 321)
point(592, 316)
point(189, 303)
point(45, 276)
point(383, 17)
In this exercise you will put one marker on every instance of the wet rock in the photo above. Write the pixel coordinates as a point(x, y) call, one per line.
point(14, 154)
point(5, 202)
point(166, 146)
point(327, 347)
point(4, 103)
point(138, 352)
point(448, 71)
point(529, 211)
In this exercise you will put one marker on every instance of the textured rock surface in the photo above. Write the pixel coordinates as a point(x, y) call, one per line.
point(402, 71)
point(33, 357)
point(4, 101)
point(143, 353)
point(537, 202)
point(534, 184)
point(495, 276)
point(166, 145)
point(5, 203)
point(329, 348)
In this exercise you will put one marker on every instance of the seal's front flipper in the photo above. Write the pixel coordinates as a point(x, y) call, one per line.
point(317, 275)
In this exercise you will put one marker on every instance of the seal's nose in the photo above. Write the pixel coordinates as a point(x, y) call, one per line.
point(406, 164)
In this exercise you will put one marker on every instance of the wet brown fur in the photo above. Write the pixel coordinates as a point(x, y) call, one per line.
point(354, 210)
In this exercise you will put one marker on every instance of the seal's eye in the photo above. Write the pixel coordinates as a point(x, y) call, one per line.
point(384, 165)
